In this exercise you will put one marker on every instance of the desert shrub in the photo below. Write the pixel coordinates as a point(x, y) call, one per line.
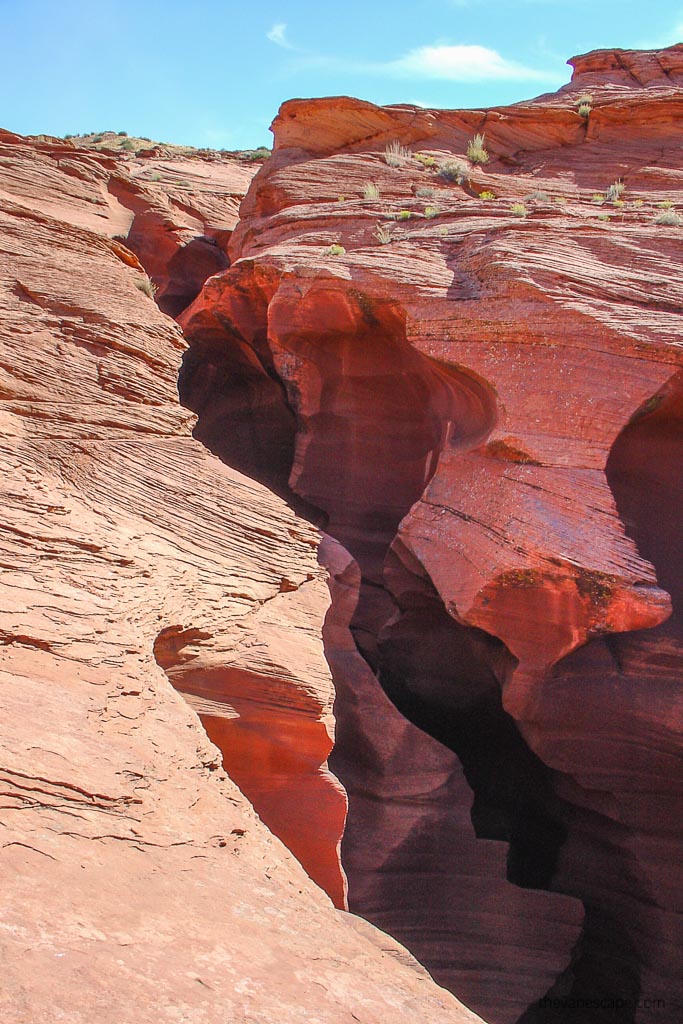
point(371, 190)
point(425, 193)
point(618, 202)
point(383, 233)
point(604, 216)
point(98, 138)
point(127, 144)
point(598, 198)
point(397, 155)
point(487, 195)
point(254, 155)
point(518, 210)
point(122, 135)
point(669, 218)
point(560, 199)
point(404, 215)
point(665, 204)
point(146, 286)
point(451, 170)
point(585, 97)
point(335, 250)
point(425, 159)
point(431, 211)
point(584, 109)
point(341, 199)
point(539, 197)
point(155, 176)
point(614, 191)
point(476, 151)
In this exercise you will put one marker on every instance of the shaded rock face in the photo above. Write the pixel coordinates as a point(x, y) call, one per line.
point(484, 414)
point(138, 882)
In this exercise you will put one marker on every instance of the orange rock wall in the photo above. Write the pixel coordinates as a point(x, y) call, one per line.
point(476, 404)
point(136, 880)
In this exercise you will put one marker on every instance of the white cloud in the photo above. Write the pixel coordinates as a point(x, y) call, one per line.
point(460, 64)
point(278, 36)
point(438, 62)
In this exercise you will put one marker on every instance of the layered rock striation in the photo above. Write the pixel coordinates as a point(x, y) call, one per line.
point(469, 375)
point(138, 882)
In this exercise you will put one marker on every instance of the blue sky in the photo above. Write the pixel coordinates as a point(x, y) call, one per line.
point(213, 72)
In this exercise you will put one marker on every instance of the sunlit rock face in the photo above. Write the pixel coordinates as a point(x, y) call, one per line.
point(480, 404)
point(138, 882)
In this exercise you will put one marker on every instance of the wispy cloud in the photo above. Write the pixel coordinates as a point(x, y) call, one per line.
point(278, 35)
point(460, 64)
point(438, 62)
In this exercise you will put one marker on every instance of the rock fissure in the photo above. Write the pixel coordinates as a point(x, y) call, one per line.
point(483, 419)
point(378, 436)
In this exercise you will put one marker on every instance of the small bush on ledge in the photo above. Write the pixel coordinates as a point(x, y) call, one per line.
point(487, 195)
point(147, 287)
point(335, 250)
point(383, 234)
point(518, 210)
point(397, 155)
point(371, 191)
point(451, 170)
point(669, 218)
point(476, 151)
point(614, 191)
point(584, 104)
point(431, 212)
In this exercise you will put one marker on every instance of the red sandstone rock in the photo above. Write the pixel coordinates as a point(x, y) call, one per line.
point(417, 868)
point(453, 399)
point(137, 882)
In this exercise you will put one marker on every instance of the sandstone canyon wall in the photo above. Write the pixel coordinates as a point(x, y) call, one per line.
point(465, 420)
point(137, 882)
point(481, 405)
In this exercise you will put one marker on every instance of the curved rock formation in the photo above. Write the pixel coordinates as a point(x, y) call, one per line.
point(137, 881)
point(458, 380)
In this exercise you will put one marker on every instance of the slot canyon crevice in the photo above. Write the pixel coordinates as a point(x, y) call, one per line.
point(503, 562)
point(313, 389)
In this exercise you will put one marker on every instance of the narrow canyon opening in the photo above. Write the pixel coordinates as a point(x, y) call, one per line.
point(460, 841)
point(357, 438)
